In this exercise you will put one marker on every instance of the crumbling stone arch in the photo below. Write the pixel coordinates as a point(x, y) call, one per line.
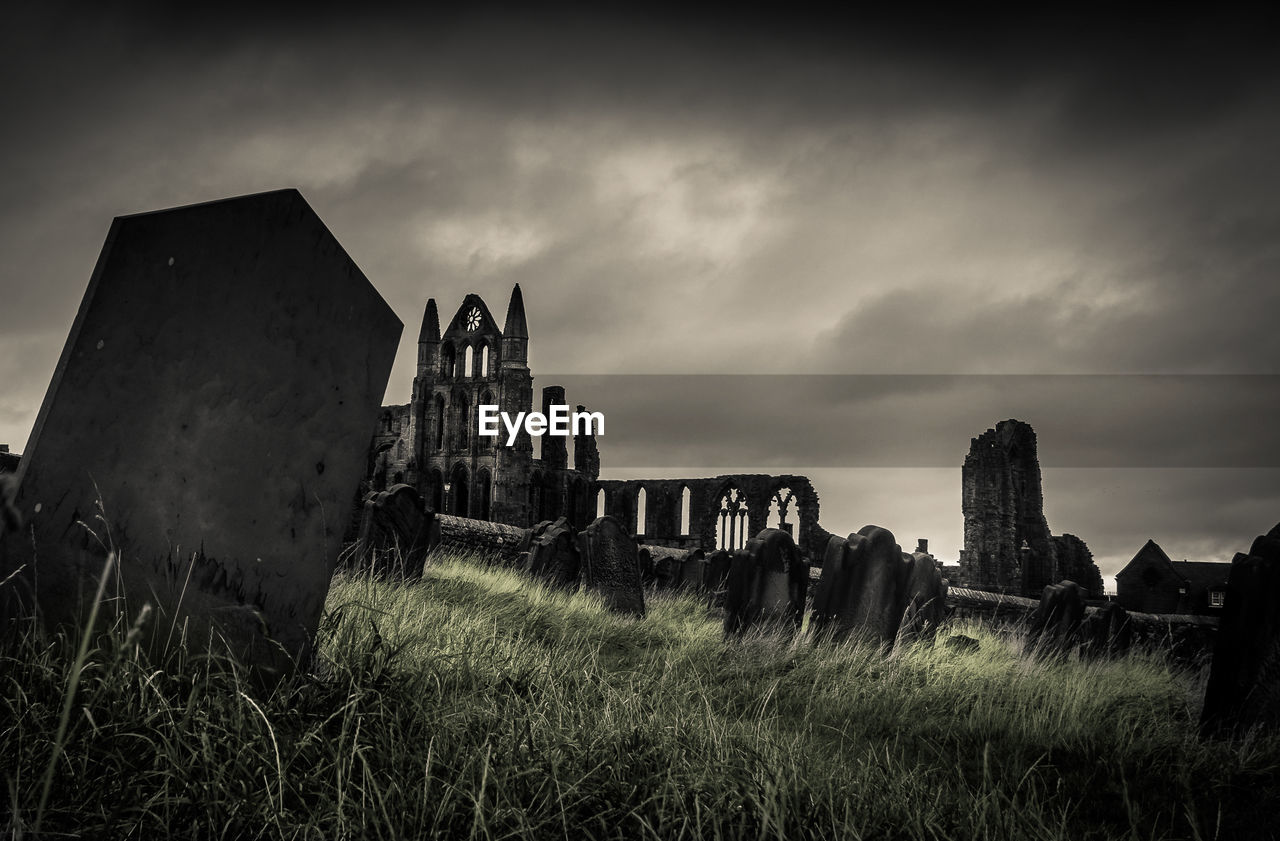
point(468, 354)
point(782, 505)
point(642, 510)
point(733, 525)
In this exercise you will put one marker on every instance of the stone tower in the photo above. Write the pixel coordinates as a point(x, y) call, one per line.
point(1007, 546)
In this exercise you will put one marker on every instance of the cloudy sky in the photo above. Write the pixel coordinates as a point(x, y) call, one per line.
point(941, 225)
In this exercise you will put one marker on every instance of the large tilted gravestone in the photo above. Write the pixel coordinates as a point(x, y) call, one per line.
point(216, 394)
point(767, 584)
point(610, 566)
point(863, 588)
point(397, 530)
point(1244, 680)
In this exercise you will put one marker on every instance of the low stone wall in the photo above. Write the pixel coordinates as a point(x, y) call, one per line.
point(495, 540)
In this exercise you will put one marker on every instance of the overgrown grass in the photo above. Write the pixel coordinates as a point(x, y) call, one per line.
point(476, 704)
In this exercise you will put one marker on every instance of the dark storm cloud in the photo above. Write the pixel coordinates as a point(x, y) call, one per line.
point(699, 192)
point(803, 421)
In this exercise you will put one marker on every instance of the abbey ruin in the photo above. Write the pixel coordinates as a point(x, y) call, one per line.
point(431, 444)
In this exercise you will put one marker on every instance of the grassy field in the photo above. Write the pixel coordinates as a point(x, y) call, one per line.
point(475, 704)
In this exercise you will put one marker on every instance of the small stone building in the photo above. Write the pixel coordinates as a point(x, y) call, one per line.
point(1152, 583)
point(8, 461)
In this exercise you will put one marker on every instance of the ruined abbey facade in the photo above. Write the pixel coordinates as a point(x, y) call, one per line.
point(431, 443)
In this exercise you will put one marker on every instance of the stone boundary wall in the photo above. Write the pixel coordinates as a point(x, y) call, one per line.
point(481, 537)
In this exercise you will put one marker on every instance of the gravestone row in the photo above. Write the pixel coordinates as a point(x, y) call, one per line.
point(601, 558)
point(870, 589)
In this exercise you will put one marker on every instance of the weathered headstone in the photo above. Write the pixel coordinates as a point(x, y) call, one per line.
point(693, 570)
point(1106, 631)
point(768, 583)
point(1055, 623)
point(926, 599)
point(610, 566)
point(863, 588)
point(666, 572)
point(553, 554)
point(645, 559)
point(1244, 680)
point(397, 530)
point(216, 396)
point(718, 563)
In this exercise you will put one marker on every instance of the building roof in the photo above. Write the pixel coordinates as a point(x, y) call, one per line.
point(1201, 574)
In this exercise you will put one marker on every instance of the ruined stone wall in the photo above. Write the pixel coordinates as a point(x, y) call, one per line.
point(1075, 563)
point(481, 537)
point(709, 500)
point(1007, 544)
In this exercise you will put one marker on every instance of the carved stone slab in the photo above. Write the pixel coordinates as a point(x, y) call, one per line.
point(610, 565)
point(216, 394)
point(397, 530)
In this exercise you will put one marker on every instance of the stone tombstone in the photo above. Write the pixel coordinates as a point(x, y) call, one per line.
point(863, 588)
point(1106, 631)
point(926, 600)
point(693, 571)
point(610, 565)
point(1244, 679)
point(666, 572)
point(553, 554)
point(717, 573)
point(1055, 623)
point(645, 559)
point(768, 584)
point(397, 530)
point(215, 397)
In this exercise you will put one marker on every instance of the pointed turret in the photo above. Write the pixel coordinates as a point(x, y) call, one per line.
point(515, 335)
point(429, 340)
point(516, 327)
point(430, 324)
